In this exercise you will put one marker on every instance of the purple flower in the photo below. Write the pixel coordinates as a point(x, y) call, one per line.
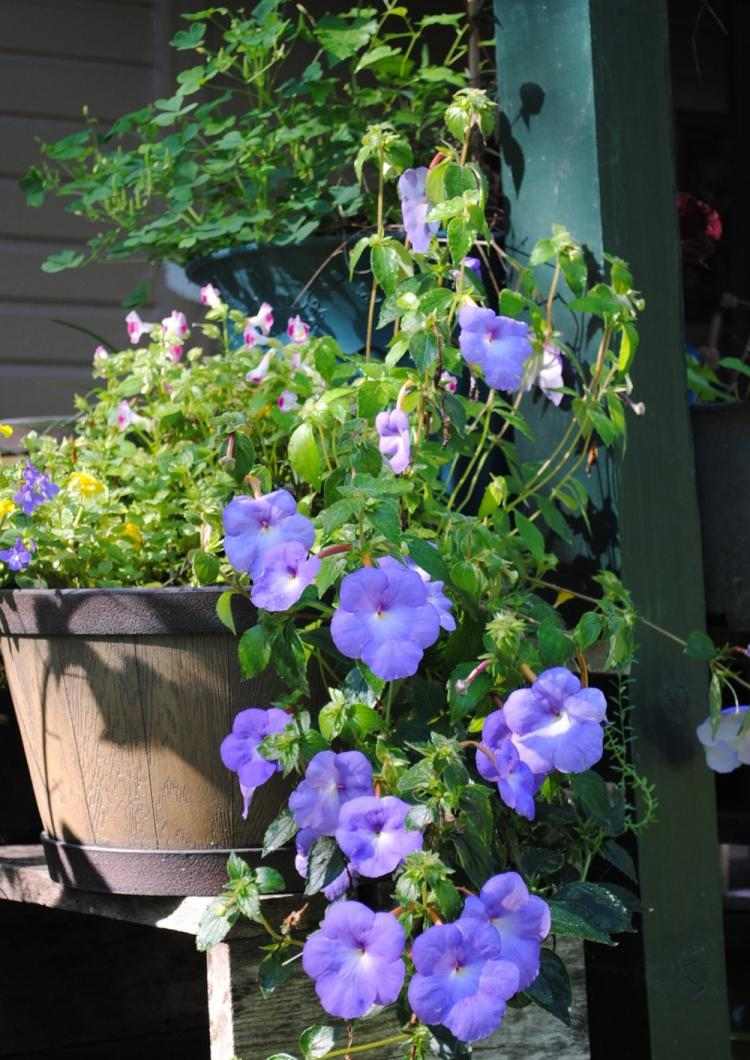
point(522, 921)
point(372, 834)
point(210, 296)
point(136, 327)
point(36, 488)
point(474, 264)
point(330, 780)
point(461, 979)
point(385, 618)
point(297, 329)
point(516, 783)
point(338, 887)
point(239, 750)
point(448, 382)
point(556, 724)
point(287, 571)
point(414, 209)
point(355, 959)
point(435, 594)
point(726, 745)
point(395, 444)
point(498, 345)
point(547, 373)
point(18, 556)
point(287, 401)
point(256, 525)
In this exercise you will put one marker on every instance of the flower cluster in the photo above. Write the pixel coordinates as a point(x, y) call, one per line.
point(239, 750)
point(555, 724)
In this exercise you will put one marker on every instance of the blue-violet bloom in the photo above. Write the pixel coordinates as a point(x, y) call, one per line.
point(256, 525)
point(557, 724)
point(435, 589)
point(516, 783)
point(384, 617)
point(522, 921)
point(725, 744)
point(18, 556)
point(331, 780)
point(461, 980)
point(36, 488)
point(373, 835)
point(355, 959)
point(287, 571)
point(414, 209)
point(395, 443)
point(239, 750)
point(499, 345)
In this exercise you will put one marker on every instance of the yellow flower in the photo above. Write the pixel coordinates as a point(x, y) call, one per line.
point(133, 533)
point(6, 430)
point(85, 484)
point(6, 507)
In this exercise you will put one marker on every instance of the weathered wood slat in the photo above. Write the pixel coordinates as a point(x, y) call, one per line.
point(104, 285)
point(48, 391)
point(76, 28)
point(60, 87)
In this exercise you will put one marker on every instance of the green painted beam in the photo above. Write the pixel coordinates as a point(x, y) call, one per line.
point(584, 86)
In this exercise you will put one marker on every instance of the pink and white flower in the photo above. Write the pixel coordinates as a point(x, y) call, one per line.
point(287, 400)
point(262, 321)
point(297, 329)
point(547, 373)
point(449, 382)
point(125, 415)
point(259, 373)
point(175, 325)
point(210, 296)
point(136, 327)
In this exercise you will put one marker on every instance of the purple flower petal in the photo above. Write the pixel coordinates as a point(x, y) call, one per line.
point(330, 781)
point(372, 834)
point(255, 526)
point(287, 571)
point(499, 345)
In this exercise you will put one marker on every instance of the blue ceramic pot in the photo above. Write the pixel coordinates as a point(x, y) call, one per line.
point(310, 279)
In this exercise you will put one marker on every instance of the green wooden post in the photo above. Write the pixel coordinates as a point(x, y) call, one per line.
point(585, 91)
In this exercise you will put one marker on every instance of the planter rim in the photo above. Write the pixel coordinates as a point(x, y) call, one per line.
point(127, 611)
point(194, 265)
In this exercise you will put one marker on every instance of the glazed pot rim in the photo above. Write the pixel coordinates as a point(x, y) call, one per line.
point(121, 611)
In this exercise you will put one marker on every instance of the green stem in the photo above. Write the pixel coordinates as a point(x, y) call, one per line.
point(365, 1047)
point(478, 451)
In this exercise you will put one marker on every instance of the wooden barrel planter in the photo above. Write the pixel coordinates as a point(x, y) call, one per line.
point(123, 697)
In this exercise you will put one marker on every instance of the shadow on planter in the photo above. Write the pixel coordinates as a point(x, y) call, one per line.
point(123, 697)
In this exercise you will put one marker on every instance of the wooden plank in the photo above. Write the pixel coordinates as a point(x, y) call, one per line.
point(41, 391)
point(38, 338)
point(24, 879)
point(59, 88)
point(20, 137)
point(241, 1024)
point(78, 29)
point(596, 156)
point(21, 278)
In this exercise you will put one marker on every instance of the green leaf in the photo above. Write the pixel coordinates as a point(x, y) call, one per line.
point(189, 38)
point(237, 868)
point(700, 646)
point(341, 36)
point(254, 652)
point(279, 832)
point(215, 924)
point(325, 863)
point(387, 264)
point(224, 610)
point(589, 630)
point(248, 903)
point(530, 536)
point(619, 857)
point(714, 695)
point(269, 880)
point(316, 1042)
point(542, 251)
point(460, 238)
point(63, 259)
point(555, 645)
point(551, 989)
point(427, 557)
point(273, 972)
point(587, 911)
point(205, 568)
point(304, 454)
point(511, 303)
point(465, 702)
point(604, 803)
